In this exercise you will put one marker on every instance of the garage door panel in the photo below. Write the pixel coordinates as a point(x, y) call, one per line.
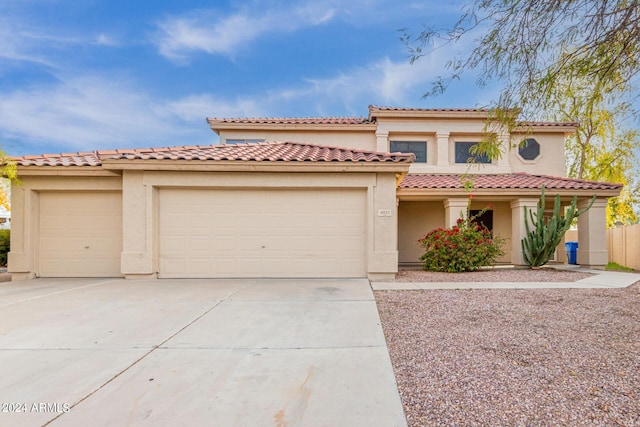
point(263, 233)
point(172, 265)
point(80, 234)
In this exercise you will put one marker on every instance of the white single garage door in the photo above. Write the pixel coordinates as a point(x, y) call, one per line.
point(262, 233)
point(80, 234)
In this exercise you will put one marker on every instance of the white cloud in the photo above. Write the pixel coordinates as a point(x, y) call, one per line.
point(106, 40)
point(180, 36)
point(383, 82)
point(85, 113)
point(203, 30)
point(21, 43)
point(79, 114)
point(18, 45)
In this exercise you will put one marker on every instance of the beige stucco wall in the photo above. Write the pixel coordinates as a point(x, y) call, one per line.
point(22, 260)
point(592, 235)
point(440, 135)
point(430, 126)
point(415, 219)
point(139, 256)
point(364, 140)
point(551, 160)
point(140, 213)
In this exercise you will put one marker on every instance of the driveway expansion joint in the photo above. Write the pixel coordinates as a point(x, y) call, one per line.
point(275, 348)
point(146, 354)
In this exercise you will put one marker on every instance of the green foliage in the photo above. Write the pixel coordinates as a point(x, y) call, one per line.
point(465, 247)
point(9, 170)
point(614, 266)
point(602, 149)
point(532, 47)
point(5, 193)
point(5, 244)
point(8, 167)
point(539, 244)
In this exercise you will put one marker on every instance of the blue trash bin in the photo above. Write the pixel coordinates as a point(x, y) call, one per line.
point(572, 252)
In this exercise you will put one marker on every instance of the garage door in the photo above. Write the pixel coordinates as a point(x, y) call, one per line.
point(80, 234)
point(262, 233)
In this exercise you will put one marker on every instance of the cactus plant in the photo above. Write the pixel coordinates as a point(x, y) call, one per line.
point(539, 244)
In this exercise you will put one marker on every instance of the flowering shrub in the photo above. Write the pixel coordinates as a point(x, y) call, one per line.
point(465, 247)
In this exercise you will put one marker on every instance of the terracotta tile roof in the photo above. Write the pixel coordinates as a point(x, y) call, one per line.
point(459, 110)
point(266, 151)
point(295, 120)
point(259, 152)
point(89, 158)
point(503, 181)
point(370, 120)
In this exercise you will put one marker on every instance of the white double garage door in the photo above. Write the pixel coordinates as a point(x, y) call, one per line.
point(206, 233)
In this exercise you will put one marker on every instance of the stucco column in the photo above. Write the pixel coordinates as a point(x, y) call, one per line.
point(592, 234)
point(442, 151)
point(23, 222)
point(382, 141)
point(518, 229)
point(137, 226)
point(454, 208)
point(383, 253)
point(503, 140)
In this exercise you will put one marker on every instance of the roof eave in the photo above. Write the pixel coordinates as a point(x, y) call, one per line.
point(218, 126)
point(65, 171)
point(566, 129)
point(510, 193)
point(255, 166)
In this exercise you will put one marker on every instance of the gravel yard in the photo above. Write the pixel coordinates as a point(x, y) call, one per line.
point(505, 274)
point(535, 357)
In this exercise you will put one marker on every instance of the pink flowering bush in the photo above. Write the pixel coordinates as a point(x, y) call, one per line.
point(465, 247)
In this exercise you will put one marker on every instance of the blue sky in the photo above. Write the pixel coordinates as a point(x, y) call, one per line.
point(93, 74)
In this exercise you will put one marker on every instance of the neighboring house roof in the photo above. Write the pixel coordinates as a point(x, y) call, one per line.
point(258, 152)
point(518, 180)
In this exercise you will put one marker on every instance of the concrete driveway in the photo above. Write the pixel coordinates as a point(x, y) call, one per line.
point(111, 352)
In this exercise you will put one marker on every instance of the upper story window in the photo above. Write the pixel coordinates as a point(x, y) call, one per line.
point(529, 149)
point(463, 154)
point(419, 148)
point(243, 141)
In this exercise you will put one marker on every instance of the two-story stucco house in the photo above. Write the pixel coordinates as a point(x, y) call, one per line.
point(289, 197)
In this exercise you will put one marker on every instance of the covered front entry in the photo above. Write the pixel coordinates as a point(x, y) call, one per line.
point(311, 232)
point(80, 234)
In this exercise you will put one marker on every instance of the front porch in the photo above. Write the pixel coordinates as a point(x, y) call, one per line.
point(426, 202)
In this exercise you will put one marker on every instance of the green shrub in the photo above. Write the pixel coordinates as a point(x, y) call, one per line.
point(465, 247)
point(5, 242)
point(545, 234)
